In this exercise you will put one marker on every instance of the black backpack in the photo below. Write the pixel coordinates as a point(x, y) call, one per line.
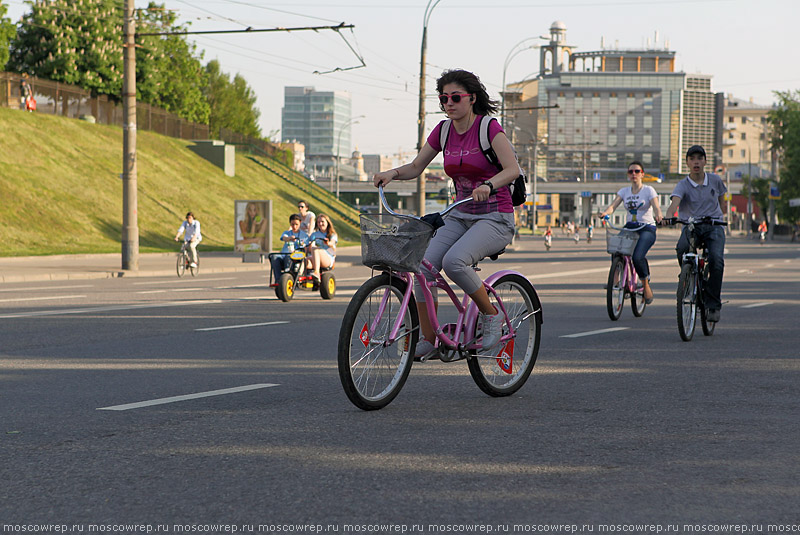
point(518, 189)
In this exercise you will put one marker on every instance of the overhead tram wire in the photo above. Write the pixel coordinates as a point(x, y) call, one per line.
point(249, 30)
point(392, 85)
point(278, 10)
point(293, 68)
point(221, 17)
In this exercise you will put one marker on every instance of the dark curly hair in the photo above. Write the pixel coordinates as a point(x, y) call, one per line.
point(483, 105)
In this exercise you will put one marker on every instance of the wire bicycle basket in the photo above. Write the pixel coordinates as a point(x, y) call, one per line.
point(623, 243)
point(394, 242)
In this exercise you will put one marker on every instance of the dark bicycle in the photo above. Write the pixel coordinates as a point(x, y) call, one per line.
point(185, 261)
point(694, 275)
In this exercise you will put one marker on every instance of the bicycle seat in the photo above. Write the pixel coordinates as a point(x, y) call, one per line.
point(490, 257)
point(497, 254)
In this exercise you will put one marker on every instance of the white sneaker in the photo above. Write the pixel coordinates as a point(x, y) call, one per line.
point(193, 265)
point(492, 330)
point(425, 351)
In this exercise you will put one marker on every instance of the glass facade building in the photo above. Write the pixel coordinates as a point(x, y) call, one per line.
point(318, 120)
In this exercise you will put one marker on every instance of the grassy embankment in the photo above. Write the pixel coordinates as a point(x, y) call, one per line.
point(61, 193)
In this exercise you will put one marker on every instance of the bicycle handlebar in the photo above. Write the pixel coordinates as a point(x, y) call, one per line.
point(443, 212)
point(707, 220)
point(607, 221)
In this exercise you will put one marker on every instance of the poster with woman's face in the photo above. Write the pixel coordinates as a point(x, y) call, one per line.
point(251, 227)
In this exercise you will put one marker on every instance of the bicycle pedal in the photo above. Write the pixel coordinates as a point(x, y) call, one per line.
point(451, 357)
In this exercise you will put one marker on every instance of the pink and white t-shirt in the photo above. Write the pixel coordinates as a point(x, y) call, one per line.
point(468, 167)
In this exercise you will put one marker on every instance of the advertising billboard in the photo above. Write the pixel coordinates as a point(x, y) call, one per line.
point(252, 231)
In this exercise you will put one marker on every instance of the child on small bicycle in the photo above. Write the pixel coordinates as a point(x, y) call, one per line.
point(190, 229)
point(700, 195)
point(476, 229)
point(293, 239)
point(641, 202)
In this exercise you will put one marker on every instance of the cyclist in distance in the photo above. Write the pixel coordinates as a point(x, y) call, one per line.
point(190, 229)
point(641, 203)
point(700, 195)
point(476, 229)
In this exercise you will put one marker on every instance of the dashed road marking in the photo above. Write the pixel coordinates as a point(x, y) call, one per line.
point(242, 326)
point(590, 333)
point(16, 299)
point(757, 305)
point(47, 288)
point(174, 399)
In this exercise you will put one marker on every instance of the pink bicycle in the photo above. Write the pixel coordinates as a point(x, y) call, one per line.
point(381, 326)
point(622, 279)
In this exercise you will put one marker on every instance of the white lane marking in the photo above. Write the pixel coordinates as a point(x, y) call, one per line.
point(242, 326)
point(590, 333)
point(587, 271)
point(47, 288)
point(756, 305)
point(173, 399)
point(113, 308)
point(41, 298)
point(310, 296)
point(184, 281)
point(171, 290)
point(261, 285)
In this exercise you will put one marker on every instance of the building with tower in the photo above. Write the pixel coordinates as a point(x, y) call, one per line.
point(590, 113)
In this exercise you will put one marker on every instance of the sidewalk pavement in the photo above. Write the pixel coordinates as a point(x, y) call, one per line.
point(101, 266)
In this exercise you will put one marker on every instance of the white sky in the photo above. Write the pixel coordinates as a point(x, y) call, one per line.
point(750, 47)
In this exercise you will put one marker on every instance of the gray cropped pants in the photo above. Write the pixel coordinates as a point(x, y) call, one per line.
point(461, 242)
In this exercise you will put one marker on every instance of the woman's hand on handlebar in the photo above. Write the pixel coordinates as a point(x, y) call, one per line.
point(481, 193)
point(384, 177)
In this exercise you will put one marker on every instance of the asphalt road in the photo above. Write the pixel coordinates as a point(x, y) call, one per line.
point(619, 428)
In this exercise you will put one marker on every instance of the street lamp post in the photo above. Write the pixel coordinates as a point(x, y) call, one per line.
point(532, 170)
point(421, 117)
point(771, 208)
point(511, 54)
point(339, 147)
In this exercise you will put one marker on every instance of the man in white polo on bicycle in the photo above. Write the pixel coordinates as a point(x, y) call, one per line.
point(190, 229)
point(701, 195)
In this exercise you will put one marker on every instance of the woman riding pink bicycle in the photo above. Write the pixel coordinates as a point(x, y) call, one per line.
point(641, 203)
point(476, 229)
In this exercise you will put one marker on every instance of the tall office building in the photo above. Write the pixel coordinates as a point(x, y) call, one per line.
point(590, 113)
point(319, 120)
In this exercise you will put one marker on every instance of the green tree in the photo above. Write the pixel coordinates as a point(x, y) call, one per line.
point(759, 191)
point(78, 43)
point(785, 122)
point(7, 32)
point(169, 73)
point(232, 103)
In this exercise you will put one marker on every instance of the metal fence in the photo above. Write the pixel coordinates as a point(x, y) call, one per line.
point(71, 101)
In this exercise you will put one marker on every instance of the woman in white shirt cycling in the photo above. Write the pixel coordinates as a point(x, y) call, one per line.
point(641, 203)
